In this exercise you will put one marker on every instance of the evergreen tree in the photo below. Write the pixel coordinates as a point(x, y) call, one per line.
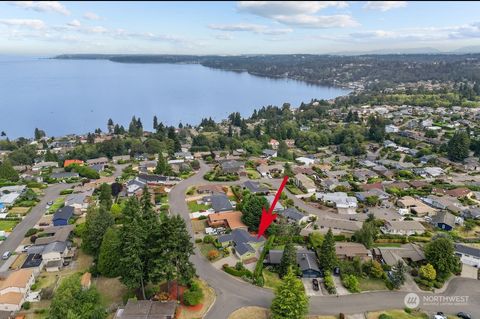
point(290, 300)
point(377, 128)
point(109, 254)
point(289, 259)
point(97, 222)
point(283, 150)
point(162, 168)
point(8, 172)
point(155, 122)
point(328, 257)
point(39, 134)
point(440, 253)
point(397, 277)
point(251, 208)
point(50, 157)
point(458, 146)
point(367, 234)
point(105, 196)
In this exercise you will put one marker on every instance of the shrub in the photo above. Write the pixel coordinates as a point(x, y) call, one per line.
point(202, 217)
point(208, 239)
point(329, 284)
point(198, 240)
point(407, 310)
point(351, 283)
point(385, 316)
point(213, 254)
point(26, 305)
point(193, 296)
point(31, 231)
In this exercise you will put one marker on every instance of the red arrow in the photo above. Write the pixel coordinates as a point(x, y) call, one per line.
point(268, 217)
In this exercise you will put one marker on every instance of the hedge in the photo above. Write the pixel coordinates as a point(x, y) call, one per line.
point(258, 273)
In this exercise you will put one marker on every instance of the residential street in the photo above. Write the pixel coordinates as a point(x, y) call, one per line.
point(16, 237)
point(233, 293)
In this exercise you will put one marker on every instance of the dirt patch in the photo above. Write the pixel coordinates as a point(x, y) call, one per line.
point(250, 312)
point(111, 290)
point(198, 311)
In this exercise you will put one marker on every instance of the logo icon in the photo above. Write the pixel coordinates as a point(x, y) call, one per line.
point(412, 300)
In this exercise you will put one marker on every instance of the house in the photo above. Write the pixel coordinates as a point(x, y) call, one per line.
point(364, 174)
point(305, 160)
point(219, 202)
point(445, 220)
point(79, 201)
point(54, 234)
point(232, 220)
point(404, 227)
point(434, 171)
point(62, 216)
point(391, 129)
point(337, 225)
point(306, 260)
point(184, 155)
point(52, 254)
point(10, 194)
point(331, 184)
point(459, 192)
point(244, 244)
point(304, 182)
point(135, 187)
point(268, 170)
point(97, 161)
point(290, 143)
point(444, 202)
point(473, 213)
point(255, 187)
point(64, 175)
point(341, 201)
point(269, 153)
point(232, 167)
point(468, 255)
point(72, 161)
point(42, 165)
point(362, 196)
point(292, 215)
point(147, 309)
point(210, 189)
point(120, 158)
point(274, 144)
point(415, 206)
point(391, 255)
point(278, 207)
point(14, 287)
point(349, 251)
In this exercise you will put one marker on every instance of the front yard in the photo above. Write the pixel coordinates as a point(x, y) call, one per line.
point(398, 314)
point(252, 173)
point(57, 204)
point(271, 279)
point(370, 284)
point(8, 225)
point(193, 206)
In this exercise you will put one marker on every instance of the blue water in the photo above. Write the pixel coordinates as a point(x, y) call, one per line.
point(69, 96)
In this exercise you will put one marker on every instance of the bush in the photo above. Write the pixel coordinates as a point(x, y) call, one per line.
point(385, 316)
point(31, 231)
point(407, 310)
point(208, 239)
point(329, 284)
point(193, 296)
point(351, 283)
point(198, 240)
point(213, 254)
point(26, 305)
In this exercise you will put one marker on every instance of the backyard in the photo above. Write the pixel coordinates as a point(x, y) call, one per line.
point(193, 206)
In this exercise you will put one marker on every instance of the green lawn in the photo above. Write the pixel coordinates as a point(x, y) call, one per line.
point(58, 203)
point(294, 189)
point(271, 279)
point(387, 245)
point(205, 248)
point(398, 314)
point(195, 207)
point(252, 173)
point(8, 225)
point(369, 284)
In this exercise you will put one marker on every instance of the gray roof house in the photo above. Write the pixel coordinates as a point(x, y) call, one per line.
point(242, 241)
point(291, 214)
point(255, 187)
point(231, 167)
point(64, 175)
point(306, 261)
point(147, 309)
point(219, 202)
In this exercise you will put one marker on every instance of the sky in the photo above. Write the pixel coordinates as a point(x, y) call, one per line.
point(46, 28)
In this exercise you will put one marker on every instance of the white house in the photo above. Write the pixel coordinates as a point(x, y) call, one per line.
point(305, 160)
point(14, 287)
point(404, 227)
point(345, 204)
point(468, 255)
point(391, 129)
point(303, 181)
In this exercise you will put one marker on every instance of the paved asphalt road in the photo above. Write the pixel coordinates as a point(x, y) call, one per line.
point(51, 193)
point(16, 237)
point(233, 294)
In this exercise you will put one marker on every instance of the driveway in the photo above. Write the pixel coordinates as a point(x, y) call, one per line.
point(307, 283)
point(469, 272)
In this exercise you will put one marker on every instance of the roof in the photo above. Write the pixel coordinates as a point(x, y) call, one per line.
point(291, 213)
point(152, 178)
point(231, 165)
point(458, 192)
point(61, 175)
point(255, 187)
point(97, 160)
point(233, 219)
point(18, 278)
point(269, 152)
point(11, 298)
point(72, 161)
point(57, 233)
point(391, 255)
point(147, 309)
point(350, 249)
point(78, 198)
point(340, 224)
point(467, 250)
point(210, 188)
point(238, 236)
point(404, 225)
point(220, 202)
point(57, 247)
point(305, 180)
point(65, 212)
point(444, 218)
point(306, 259)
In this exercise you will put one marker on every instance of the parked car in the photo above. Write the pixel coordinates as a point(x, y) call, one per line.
point(6, 255)
point(315, 284)
point(464, 315)
point(25, 248)
point(440, 315)
point(336, 271)
point(50, 203)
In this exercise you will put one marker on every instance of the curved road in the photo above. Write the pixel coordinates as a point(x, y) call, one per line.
point(233, 294)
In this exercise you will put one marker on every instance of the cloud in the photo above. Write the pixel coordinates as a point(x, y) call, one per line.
point(248, 27)
point(385, 5)
point(74, 23)
point(42, 6)
point(91, 16)
point(224, 36)
point(27, 23)
point(300, 13)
